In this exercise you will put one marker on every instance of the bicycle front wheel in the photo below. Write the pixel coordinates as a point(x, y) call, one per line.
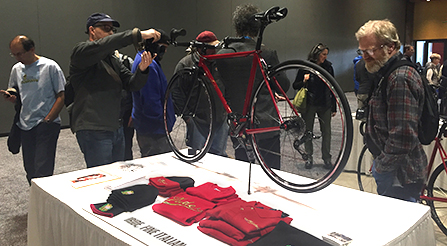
point(285, 140)
point(364, 172)
point(437, 197)
point(189, 115)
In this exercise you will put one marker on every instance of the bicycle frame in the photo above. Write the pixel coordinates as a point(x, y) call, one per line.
point(272, 139)
point(257, 61)
point(443, 155)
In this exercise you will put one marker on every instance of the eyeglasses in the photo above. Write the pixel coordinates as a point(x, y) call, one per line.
point(17, 54)
point(370, 52)
point(106, 28)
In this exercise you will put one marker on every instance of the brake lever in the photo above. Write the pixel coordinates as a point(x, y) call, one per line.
point(176, 33)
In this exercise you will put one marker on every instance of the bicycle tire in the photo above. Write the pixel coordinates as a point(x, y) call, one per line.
point(434, 190)
point(364, 172)
point(191, 135)
point(290, 133)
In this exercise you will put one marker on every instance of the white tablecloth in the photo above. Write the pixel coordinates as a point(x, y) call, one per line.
point(59, 212)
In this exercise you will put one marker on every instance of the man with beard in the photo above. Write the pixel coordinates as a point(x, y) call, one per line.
point(392, 124)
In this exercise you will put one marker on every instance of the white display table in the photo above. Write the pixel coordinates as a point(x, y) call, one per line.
point(59, 212)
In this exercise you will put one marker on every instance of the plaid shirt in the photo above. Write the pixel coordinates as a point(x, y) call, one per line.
point(393, 125)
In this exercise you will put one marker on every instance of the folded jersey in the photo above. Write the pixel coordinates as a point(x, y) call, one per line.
point(225, 238)
point(248, 217)
point(183, 208)
point(214, 193)
point(126, 200)
point(170, 186)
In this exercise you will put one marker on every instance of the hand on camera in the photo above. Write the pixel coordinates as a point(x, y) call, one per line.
point(151, 33)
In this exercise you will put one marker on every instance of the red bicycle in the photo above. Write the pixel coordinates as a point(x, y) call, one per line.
point(191, 92)
point(434, 191)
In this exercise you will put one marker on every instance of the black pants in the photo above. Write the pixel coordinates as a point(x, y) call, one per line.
point(39, 150)
point(270, 144)
point(128, 136)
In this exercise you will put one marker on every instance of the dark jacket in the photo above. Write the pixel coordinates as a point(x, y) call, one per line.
point(148, 111)
point(392, 123)
point(98, 95)
point(190, 61)
point(236, 73)
point(364, 78)
point(318, 93)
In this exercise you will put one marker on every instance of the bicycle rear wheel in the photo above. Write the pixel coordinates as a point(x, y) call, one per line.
point(190, 129)
point(364, 172)
point(437, 193)
point(279, 141)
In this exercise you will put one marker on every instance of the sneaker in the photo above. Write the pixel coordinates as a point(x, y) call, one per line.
point(327, 165)
point(309, 163)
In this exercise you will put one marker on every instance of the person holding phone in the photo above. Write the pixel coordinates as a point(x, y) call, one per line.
point(39, 83)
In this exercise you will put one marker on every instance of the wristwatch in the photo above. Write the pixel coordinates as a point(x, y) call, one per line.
point(46, 120)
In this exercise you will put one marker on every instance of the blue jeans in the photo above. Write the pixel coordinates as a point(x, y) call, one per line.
point(101, 147)
point(389, 185)
point(218, 146)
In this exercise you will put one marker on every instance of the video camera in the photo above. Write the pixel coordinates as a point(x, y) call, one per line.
point(153, 48)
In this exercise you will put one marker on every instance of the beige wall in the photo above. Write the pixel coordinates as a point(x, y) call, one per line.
point(430, 20)
point(308, 22)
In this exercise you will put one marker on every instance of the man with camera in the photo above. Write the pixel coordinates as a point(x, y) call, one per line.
point(98, 78)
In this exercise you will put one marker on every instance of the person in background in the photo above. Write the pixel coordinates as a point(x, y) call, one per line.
point(320, 102)
point(433, 69)
point(408, 52)
point(126, 111)
point(147, 113)
point(399, 165)
point(442, 90)
point(235, 73)
point(444, 72)
point(356, 82)
point(364, 78)
point(98, 78)
point(40, 83)
point(195, 137)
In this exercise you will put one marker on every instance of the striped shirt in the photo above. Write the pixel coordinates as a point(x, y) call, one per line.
point(393, 125)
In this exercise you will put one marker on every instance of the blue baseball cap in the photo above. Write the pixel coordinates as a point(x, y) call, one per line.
point(100, 17)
